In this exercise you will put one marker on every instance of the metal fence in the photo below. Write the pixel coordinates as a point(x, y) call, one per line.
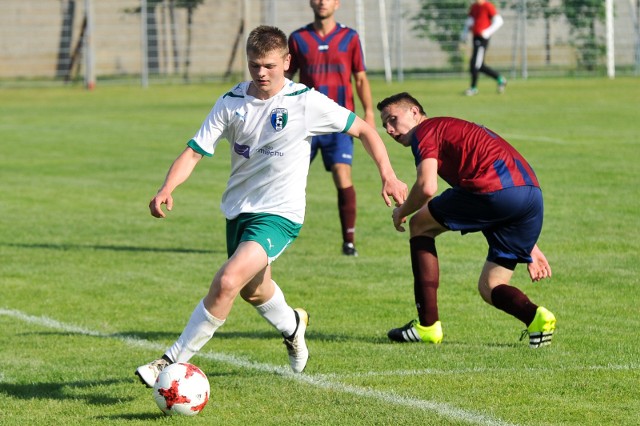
point(149, 41)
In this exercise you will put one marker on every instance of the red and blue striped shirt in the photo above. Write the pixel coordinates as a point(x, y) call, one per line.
point(470, 156)
point(327, 63)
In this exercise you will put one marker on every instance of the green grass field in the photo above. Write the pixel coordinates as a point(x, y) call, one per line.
point(91, 285)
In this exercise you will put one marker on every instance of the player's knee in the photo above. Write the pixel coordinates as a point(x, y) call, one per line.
point(226, 285)
point(485, 291)
point(422, 223)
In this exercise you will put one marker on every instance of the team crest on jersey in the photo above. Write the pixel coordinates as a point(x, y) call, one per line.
point(279, 117)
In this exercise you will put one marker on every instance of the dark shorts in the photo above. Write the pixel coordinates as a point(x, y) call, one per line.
point(510, 219)
point(335, 148)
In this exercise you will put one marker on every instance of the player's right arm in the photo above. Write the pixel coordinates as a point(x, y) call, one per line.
point(392, 187)
point(468, 23)
point(179, 172)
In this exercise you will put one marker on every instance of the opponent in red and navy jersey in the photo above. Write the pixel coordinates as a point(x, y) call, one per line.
point(471, 156)
point(327, 63)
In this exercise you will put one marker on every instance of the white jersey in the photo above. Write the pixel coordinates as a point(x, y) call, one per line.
point(270, 146)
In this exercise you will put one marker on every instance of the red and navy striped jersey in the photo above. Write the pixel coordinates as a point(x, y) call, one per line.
point(327, 63)
point(470, 156)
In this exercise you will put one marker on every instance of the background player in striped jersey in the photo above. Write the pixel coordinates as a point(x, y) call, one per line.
point(493, 190)
point(483, 21)
point(327, 54)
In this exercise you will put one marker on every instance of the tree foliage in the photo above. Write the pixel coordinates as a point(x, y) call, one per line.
point(583, 17)
point(442, 21)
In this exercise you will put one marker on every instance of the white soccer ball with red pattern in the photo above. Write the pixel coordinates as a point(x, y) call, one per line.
point(182, 389)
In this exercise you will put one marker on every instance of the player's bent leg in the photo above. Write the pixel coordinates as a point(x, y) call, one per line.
point(492, 276)
point(248, 262)
point(423, 223)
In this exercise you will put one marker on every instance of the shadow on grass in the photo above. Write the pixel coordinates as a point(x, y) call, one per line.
point(85, 391)
point(65, 390)
point(70, 247)
point(265, 334)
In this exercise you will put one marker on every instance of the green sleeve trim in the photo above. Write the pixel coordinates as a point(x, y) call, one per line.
point(350, 120)
point(231, 94)
point(299, 92)
point(194, 146)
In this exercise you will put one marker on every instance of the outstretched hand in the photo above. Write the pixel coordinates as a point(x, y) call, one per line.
point(539, 268)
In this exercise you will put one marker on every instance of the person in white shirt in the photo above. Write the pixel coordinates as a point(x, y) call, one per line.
point(269, 122)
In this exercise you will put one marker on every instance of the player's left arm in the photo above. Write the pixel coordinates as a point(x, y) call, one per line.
point(392, 187)
point(363, 89)
point(496, 23)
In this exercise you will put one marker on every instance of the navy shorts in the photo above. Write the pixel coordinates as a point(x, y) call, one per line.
point(510, 219)
point(335, 147)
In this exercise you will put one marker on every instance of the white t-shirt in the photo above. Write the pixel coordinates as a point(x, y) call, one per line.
point(270, 146)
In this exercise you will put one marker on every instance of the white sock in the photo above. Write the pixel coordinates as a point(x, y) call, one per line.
point(195, 335)
point(278, 313)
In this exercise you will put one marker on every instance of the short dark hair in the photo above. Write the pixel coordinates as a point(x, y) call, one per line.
point(265, 39)
point(400, 98)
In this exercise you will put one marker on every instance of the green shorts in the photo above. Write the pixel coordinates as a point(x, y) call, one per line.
point(274, 233)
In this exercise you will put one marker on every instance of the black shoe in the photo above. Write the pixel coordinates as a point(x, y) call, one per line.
point(348, 249)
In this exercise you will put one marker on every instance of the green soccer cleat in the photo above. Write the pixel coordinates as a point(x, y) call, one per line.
point(414, 332)
point(471, 91)
point(502, 84)
point(541, 329)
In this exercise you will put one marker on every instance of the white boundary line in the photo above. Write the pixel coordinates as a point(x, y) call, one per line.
point(320, 381)
point(480, 370)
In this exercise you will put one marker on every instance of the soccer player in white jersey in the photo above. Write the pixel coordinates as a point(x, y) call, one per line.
point(269, 122)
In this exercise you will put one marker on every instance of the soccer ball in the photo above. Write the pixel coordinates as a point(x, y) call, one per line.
point(182, 389)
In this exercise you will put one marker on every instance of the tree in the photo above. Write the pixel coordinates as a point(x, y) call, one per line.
point(442, 21)
point(152, 32)
point(583, 16)
point(540, 9)
point(190, 6)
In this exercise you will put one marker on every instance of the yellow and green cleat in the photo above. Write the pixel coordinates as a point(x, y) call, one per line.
point(541, 329)
point(414, 332)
